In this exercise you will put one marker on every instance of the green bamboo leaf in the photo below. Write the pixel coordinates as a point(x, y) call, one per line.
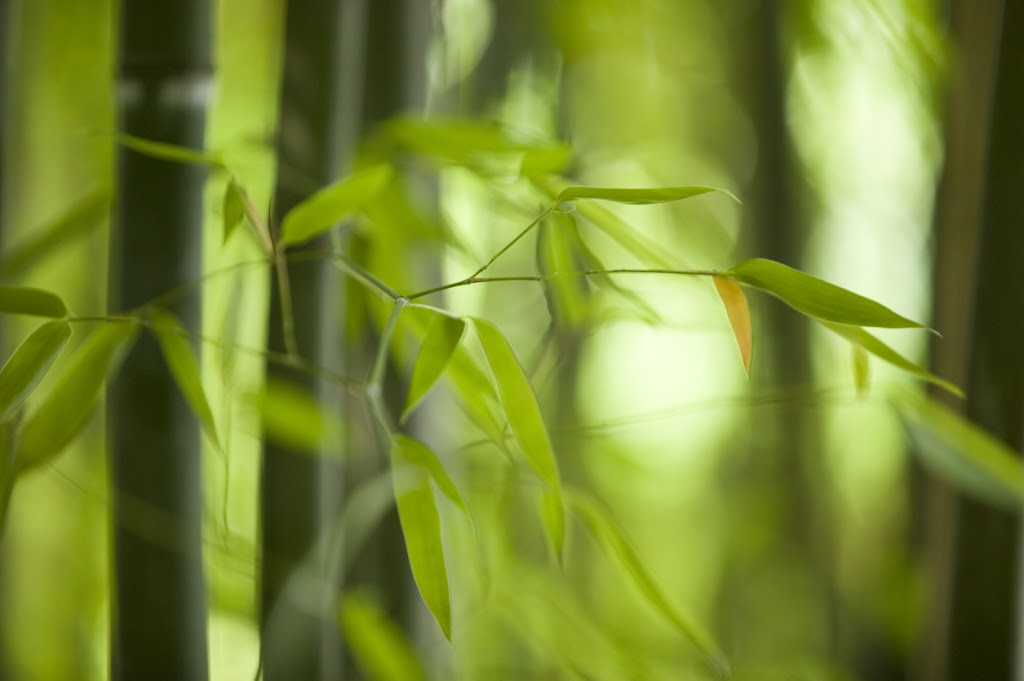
point(968, 457)
point(524, 418)
point(443, 336)
point(67, 407)
point(817, 298)
point(29, 363)
point(293, 418)
point(608, 534)
point(84, 216)
point(861, 365)
point(476, 395)
point(862, 338)
point(33, 302)
point(421, 527)
point(170, 152)
point(8, 431)
point(641, 196)
point(558, 256)
point(233, 207)
point(183, 367)
point(329, 206)
point(376, 643)
point(421, 455)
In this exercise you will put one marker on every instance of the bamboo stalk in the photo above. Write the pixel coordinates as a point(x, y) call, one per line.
point(159, 605)
point(299, 494)
point(985, 614)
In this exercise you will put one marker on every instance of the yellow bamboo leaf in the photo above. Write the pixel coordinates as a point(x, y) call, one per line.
point(736, 309)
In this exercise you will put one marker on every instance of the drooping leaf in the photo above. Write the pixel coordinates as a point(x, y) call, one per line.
point(608, 534)
point(861, 364)
point(293, 418)
point(965, 455)
point(84, 216)
point(476, 395)
point(421, 527)
point(738, 312)
point(332, 204)
point(443, 336)
point(66, 408)
point(525, 419)
point(559, 256)
point(862, 338)
point(817, 298)
point(33, 302)
point(170, 152)
point(420, 455)
point(640, 196)
point(376, 643)
point(184, 368)
point(233, 207)
point(29, 363)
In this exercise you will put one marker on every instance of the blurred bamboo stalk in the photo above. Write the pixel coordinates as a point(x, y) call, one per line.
point(159, 606)
point(982, 627)
point(299, 493)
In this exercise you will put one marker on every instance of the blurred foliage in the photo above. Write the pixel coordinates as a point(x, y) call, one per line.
point(574, 409)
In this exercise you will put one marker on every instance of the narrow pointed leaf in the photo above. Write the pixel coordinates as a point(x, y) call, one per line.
point(293, 418)
point(640, 196)
point(420, 455)
point(184, 368)
point(817, 298)
point(67, 407)
point(421, 527)
point(84, 216)
point(377, 644)
point(29, 363)
point(170, 152)
point(861, 364)
point(738, 312)
point(558, 256)
point(329, 206)
point(443, 336)
point(233, 207)
point(33, 302)
point(862, 338)
point(524, 418)
point(966, 456)
point(608, 534)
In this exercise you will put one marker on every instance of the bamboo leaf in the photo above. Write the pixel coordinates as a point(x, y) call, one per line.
point(233, 207)
point(170, 152)
point(29, 363)
point(33, 302)
point(862, 338)
point(293, 418)
point(524, 418)
point(421, 527)
point(82, 217)
point(443, 336)
point(376, 643)
point(738, 312)
point(558, 256)
point(420, 455)
point(184, 368)
point(817, 298)
point(329, 206)
point(967, 456)
point(641, 196)
point(67, 407)
point(608, 534)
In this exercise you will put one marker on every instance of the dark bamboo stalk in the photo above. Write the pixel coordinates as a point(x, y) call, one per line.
point(159, 611)
point(984, 619)
point(974, 30)
point(299, 494)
